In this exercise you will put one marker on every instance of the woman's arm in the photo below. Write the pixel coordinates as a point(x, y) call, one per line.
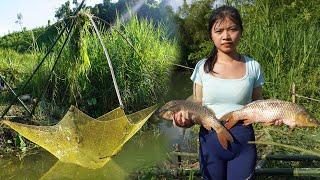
point(197, 93)
point(257, 93)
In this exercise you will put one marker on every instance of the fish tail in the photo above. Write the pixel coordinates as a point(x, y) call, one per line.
point(314, 123)
point(224, 137)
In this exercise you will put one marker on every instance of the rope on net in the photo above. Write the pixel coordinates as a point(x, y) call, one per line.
point(109, 61)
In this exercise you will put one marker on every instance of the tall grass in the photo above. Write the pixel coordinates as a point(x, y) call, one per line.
point(142, 74)
point(288, 51)
point(82, 75)
point(16, 67)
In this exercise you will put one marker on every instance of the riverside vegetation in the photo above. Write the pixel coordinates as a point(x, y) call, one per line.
point(282, 35)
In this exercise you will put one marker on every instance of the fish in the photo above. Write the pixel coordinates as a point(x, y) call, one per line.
point(270, 110)
point(198, 114)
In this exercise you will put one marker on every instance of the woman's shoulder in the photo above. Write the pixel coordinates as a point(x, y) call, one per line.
point(253, 65)
point(200, 64)
point(251, 60)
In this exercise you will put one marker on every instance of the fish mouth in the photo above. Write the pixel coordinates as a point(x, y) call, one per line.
point(315, 122)
point(159, 111)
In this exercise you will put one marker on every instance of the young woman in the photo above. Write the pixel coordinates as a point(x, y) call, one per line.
point(224, 82)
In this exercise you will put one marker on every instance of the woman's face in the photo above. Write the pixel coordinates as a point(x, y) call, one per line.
point(226, 35)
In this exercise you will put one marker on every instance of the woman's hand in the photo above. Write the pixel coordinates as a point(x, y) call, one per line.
point(182, 119)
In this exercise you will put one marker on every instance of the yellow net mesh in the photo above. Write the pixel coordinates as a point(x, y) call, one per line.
point(83, 140)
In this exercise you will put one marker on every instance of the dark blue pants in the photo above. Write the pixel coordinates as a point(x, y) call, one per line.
point(236, 163)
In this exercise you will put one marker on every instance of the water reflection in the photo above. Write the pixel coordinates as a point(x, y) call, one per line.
point(145, 149)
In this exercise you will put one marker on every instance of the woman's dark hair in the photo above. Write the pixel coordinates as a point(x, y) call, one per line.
point(220, 14)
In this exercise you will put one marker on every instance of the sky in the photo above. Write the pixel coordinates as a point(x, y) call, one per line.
point(36, 13)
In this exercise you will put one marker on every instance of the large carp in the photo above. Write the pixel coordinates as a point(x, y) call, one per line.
point(197, 114)
point(270, 110)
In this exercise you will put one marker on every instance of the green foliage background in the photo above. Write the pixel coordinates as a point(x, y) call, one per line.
point(282, 35)
point(82, 76)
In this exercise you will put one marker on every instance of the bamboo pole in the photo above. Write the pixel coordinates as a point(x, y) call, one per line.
point(175, 153)
point(298, 172)
point(293, 92)
point(310, 152)
point(312, 99)
point(292, 157)
point(108, 60)
point(309, 172)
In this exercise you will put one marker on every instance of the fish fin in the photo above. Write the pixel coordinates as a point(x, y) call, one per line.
point(190, 98)
point(231, 122)
point(207, 127)
point(246, 122)
point(226, 117)
point(267, 123)
point(224, 137)
point(292, 126)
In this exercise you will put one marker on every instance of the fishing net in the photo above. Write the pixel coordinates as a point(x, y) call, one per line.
point(83, 140)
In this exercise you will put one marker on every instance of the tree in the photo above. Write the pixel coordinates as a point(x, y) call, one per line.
point(63, 11)
point(19, 20)
point(193, 32)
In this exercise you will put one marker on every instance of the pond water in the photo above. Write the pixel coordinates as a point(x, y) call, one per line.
point(145, 149)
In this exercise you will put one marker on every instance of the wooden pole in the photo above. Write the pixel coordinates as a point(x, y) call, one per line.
point(293, 92)
point(177, 149)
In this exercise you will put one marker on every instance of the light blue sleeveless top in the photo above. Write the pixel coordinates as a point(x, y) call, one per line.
point(226, 95)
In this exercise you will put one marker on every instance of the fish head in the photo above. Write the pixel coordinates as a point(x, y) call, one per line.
point(166, 111)
point(167, 115)
point(305, 120)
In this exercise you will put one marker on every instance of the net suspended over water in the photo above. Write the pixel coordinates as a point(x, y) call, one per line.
point(83, 140)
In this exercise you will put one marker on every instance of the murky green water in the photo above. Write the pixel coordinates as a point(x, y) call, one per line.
point(143, 150)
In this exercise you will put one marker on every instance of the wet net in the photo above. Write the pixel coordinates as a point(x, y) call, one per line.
point(83, 140)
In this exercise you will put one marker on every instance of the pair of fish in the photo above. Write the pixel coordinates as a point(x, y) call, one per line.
point(263, 111)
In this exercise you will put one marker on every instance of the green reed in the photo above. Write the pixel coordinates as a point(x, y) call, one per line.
point(288, 51)
point(82, 75)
